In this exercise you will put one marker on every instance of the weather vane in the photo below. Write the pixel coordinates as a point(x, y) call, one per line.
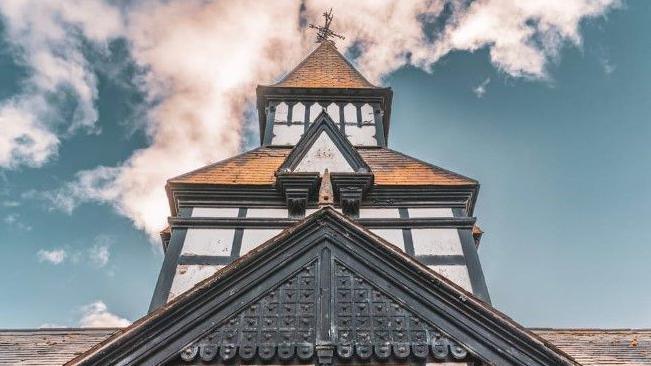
point(323, 33)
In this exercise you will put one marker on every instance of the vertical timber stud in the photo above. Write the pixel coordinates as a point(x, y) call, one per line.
point(325, 348)
point(269, 127)
point(166, 276)
point(378, 115)
point(290, 112)
point(475, 272)
point(406, 233)
point(236, 246)
point(306, 123)
point(342, 121)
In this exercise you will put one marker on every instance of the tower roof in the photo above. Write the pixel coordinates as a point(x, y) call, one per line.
point(325, 67)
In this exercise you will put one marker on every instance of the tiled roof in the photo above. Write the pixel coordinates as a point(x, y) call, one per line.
point(325, 67)
point(257, 167)
point(47, 347)
point(393, 168)
point(592, 347)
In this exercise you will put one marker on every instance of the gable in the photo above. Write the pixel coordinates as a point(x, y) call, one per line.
point(325, 289)
point(322, 155)
point(323, 146)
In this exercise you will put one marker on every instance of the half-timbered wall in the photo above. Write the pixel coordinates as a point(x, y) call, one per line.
point(359, 121)
point(206, 250)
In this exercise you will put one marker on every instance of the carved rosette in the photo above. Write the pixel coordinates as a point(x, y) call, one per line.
point(279, 325)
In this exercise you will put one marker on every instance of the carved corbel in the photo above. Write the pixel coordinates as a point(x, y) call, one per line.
point(298, 189)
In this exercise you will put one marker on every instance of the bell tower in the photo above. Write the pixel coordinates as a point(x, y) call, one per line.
point(322, 247)
point(323, 142)
point(324, 81)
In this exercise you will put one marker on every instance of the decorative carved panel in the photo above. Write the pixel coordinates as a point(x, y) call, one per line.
point(280, 324)
point(359, 322)
point(370, 323)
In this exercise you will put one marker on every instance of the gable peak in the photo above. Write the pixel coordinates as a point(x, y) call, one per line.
point(323, 146)
point(325, 67)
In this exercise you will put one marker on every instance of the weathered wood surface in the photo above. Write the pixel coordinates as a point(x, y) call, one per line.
point(47, 347)
point(592, 347)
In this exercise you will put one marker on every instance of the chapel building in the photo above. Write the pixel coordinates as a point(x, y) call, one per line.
point(323, 246)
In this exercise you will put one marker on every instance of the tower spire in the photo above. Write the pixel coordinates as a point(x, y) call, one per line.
point(324, 33)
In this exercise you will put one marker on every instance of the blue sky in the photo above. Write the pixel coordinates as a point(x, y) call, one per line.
point(563, 161)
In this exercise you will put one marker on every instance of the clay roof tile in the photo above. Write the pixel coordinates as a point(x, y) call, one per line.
point(325, 67)
point(258, 166)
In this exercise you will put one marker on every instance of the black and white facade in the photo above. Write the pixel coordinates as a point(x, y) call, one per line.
point(322, 247)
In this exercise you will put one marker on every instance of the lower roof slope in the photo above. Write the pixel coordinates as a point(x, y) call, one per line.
point(258, 166)
point(590, 347)
point(602, 346)
point(45, 347)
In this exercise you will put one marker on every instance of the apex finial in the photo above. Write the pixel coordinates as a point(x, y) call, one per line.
point(325, 191)
point(324, 33)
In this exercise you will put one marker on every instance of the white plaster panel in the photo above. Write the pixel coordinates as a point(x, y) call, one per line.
point(361, 136)
point(298, 112)
point(383, 213)
point(457, 274)
point(333, 112)
point(322, 155)
point(367, 114)
point(315, 110)
point(268, 212)
point(430, 212)
point(208, 242)
point(215, 211)
point(282, 110)
point(350, 113)
point(254, 237)
point(393, 236)
point(436, 242)
point(287, 135)
point(187, 276)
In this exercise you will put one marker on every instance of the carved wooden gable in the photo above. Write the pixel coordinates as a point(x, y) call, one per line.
point(324, 292)
point(360, 322)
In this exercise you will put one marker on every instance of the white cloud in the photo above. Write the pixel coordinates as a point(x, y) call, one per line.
point(99, 253)
point(10, 204)
point(96, 315)
point(480, 89)
point(47, 37)
point(13, 220)
point(608, 66)
point(56, 256)
point(204, 59)
point(522, 36)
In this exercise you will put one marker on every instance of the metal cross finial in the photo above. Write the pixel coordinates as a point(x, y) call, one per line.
point(323, 33)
